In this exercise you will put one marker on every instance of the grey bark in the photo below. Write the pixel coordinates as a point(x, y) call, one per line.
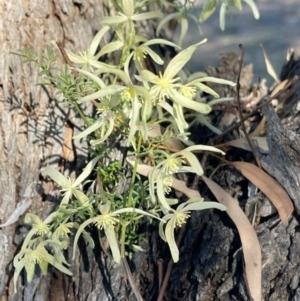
point(32, 127)
point(32, 130)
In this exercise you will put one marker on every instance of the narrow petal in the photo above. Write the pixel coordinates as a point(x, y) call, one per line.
point(80, 196)
point(161, 194)
point(134, 120)
point(202, 119)
point(93, 77)
point(113, 244)
point(113, 20)
point(58, 265)
point(161, 41)
point(127, 62)
point(80, 230)
point(111, 47)
point(193, 160)
point(146, 16)
point(155, 57)
point(96, 125)
point(100, 65)
point(136, 210)
point(29, 267)
point(120, 73)
point(147, 105)
point(183, 31)
point(166, 20)
point(106, 135)
point(200, 147)
point(188, 103)
point(75, 58)
point(216, 80)
point(57, 177)
point(253, 6)
point(66, 198)
point(178, 114)
point(206, 89)
point(96, 40)
point(18, 268)
point(169, 232)
point(150, 77)
point(222, 14)
point(177, 63)
point(86, 172)
point(161, 226)
point(113, 89)
point(204, 205)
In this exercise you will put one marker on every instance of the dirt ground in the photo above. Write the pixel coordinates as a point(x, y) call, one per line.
point(277, 29)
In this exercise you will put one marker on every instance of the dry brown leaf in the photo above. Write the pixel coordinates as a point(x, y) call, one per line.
point(272, 189)
point(279, 87)
point(269, 66)
point(250, 243)
point(259, 129)
point(179, 185)
point(242, 143)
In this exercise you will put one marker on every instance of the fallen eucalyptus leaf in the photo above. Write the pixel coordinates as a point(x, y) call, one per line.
point(272, 189)
point(249, 240)
point(242, 143)
point(269, 66)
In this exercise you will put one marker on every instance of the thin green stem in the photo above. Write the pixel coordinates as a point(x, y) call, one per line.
point(134, 172)
point(79, 111)
point(123, 236)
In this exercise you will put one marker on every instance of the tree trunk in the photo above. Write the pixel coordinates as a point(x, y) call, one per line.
point(35, 131)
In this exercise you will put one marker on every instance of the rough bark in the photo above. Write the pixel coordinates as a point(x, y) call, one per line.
point(32, 127)
point(32, 133)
